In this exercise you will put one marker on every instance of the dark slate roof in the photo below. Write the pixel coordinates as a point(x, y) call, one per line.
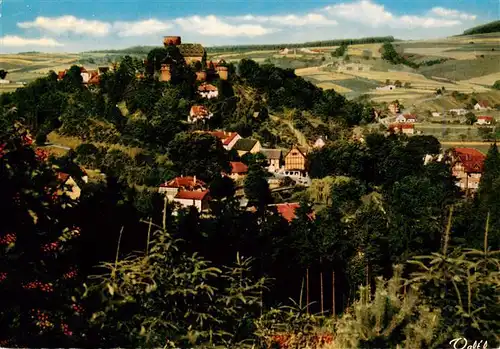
point(245, 144)
point(271, 153)
point(191, 50)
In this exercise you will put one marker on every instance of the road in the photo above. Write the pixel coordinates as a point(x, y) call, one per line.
point(57, 146)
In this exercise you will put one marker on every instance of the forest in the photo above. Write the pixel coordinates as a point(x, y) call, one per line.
point(385, 250)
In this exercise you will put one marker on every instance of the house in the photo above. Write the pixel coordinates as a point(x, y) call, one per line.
point(198, 113)
point(4, 82)
point(320, 143)
point(485, 120)
point(246, 145)
point(436, 114)
point(482, 105)
point(458, 112)
point(295, 159)
point(208, 91)
point(228, 139)
point(68, 186)
point(274, 157)
point(165, 72)
point(238, 170)
point(191, 52)
point(283, 51)
point(406, 118)
point(408, 129)
point(394, 107)
point(467, 166)
point(187, 191)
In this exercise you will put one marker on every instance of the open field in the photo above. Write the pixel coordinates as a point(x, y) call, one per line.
point(337, 88)
point(357, 50)
point(487, 80)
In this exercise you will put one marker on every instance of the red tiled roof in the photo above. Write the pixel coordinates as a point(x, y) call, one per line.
point(61, 74)
point(485, 117)
point(401, 126)
point(484, 104)
point(191, 195)
point(225, 137)
point(207, 88)
point(199, 110)
point(471, 159)
point(183, 182)
point(237, 167)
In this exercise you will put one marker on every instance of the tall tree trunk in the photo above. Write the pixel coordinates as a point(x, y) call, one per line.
point(307, 290)
point(321, 285)
point(333, 294)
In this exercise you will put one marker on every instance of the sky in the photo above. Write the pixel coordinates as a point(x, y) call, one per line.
point(84, 25)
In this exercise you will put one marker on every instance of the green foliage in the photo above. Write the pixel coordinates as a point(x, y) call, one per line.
point(198, 154)
point(340, 51)
point(496, 85)
point(166, 297)
point(470, 118)
point(484, 29)
point(256, 186)
point(395, 315)
point(3, 74)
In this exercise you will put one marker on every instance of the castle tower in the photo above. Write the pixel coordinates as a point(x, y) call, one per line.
point(165, 74)
point(223, 73)
point(171, 40)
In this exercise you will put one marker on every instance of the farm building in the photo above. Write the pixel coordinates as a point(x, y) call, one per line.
point(482, 105)
point(408, 129)
point(436, 114)
point(68, 186)
point(386, 88)
point(467, 166)
point(485, 120)
point(406, 118)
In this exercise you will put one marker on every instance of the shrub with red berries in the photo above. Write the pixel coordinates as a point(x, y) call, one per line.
point(36, 234)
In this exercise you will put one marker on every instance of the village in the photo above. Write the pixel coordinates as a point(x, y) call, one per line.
point(287, 168)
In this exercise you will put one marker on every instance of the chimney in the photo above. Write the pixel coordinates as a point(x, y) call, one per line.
point(194, 180)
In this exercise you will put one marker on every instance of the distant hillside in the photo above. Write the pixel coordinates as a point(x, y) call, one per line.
point(238, 48)
point(491, 27)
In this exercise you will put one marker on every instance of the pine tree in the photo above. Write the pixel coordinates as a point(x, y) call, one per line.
point(491, 171)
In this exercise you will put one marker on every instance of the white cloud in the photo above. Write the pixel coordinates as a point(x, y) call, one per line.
point(450, 13)
point(141, 28)
point(17, 41)
point(290, 20)
point(68, 24)
point(212, 26)
point(375, 15)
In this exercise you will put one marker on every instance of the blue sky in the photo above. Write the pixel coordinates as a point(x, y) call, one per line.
point(72, 26)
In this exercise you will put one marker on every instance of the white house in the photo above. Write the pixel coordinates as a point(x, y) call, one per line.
point(320, 143)
point(386, 88)
point(228, 139)
point(283, 51)
point(208, 91)
point(411, 118)
point(3, 81)
point(482, 105)
point(436, 114)
point(186, 191)
point(485, 120)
